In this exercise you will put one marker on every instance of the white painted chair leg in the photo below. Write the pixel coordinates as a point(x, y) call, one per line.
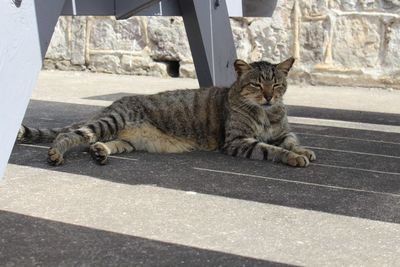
point(26, 30)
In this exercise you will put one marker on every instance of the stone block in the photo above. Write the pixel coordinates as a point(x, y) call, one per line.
point(143, 65)
point(131, 34)
point(187, 70)
point(272, 38)
point(392, 52)
point(102, 33)
point(312, 41)
point(78, 40)
point(369, 5)
point(130, 63)
point(167, 39)
point(241, 38)
point(270, 41)
point(356, 41)
point(158, 69)
point(345, 5)
point(365, 5)
point(364, 41)
point(313, 8)
point(106, 33)
point(391, 5)
point(105, 63)
point(59, 47)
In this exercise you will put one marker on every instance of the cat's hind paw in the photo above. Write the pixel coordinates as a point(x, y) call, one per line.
point(21, 134)
point(99, 153)
point(55, 158)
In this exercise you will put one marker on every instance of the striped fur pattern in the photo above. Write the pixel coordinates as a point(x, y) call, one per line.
point(246, 120)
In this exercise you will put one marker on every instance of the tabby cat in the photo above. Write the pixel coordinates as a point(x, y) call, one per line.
point(247, 119)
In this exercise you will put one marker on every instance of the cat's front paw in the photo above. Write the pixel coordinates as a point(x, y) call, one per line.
point(296, 160)
point(99, 153)
point(55, 158)
point(306, 152)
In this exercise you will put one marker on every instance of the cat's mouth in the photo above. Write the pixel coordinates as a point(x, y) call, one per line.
point(266, 105)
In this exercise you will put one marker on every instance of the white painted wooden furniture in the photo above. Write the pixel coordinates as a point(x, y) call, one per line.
point(27, 27)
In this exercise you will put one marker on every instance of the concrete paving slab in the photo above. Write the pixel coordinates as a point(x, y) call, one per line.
point(205, 208)
point(249, 229)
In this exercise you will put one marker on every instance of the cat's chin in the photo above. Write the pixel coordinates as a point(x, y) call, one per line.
point(266, 106)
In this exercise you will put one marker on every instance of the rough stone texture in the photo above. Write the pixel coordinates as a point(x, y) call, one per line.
point(358, 43)
point(167, 39)
point(78, 43)
point(186, 70)
point(392, 56)
point(349, 42)
point(269, 40)
point(138, 65)
point(59, 48)
point(312, 37)
point(109, 34)
point(105, 63)
point(242, 39)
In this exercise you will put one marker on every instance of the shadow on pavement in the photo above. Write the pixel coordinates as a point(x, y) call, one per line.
point(357, 173)
point(310, 112)
point(30, 241)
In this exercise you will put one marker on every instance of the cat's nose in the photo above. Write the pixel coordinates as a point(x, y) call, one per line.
point(268, 98)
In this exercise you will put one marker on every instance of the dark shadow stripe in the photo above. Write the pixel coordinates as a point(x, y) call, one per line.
point(31, 240)
point(345, 115)
point(346, 132)
point(109, 97)
point(175, 171)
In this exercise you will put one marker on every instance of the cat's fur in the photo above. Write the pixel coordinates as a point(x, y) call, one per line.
point(248, 120)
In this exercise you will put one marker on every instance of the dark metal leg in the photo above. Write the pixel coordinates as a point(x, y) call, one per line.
point(126, 8)
point(211, 41)
point(26, 30)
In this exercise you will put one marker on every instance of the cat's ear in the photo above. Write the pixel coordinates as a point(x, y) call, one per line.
point(286, 65)
point(241, 67)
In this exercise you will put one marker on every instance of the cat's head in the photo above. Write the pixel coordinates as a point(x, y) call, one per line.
point(261, 82)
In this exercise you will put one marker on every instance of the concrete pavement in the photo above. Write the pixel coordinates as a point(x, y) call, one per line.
point(207, 209)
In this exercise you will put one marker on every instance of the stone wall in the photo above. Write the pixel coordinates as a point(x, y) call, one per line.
point(347, 42)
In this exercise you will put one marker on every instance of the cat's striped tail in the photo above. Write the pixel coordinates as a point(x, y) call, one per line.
point(34, 135)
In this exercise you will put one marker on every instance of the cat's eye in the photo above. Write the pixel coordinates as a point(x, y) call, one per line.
point(275, 86)
point(256, 85)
